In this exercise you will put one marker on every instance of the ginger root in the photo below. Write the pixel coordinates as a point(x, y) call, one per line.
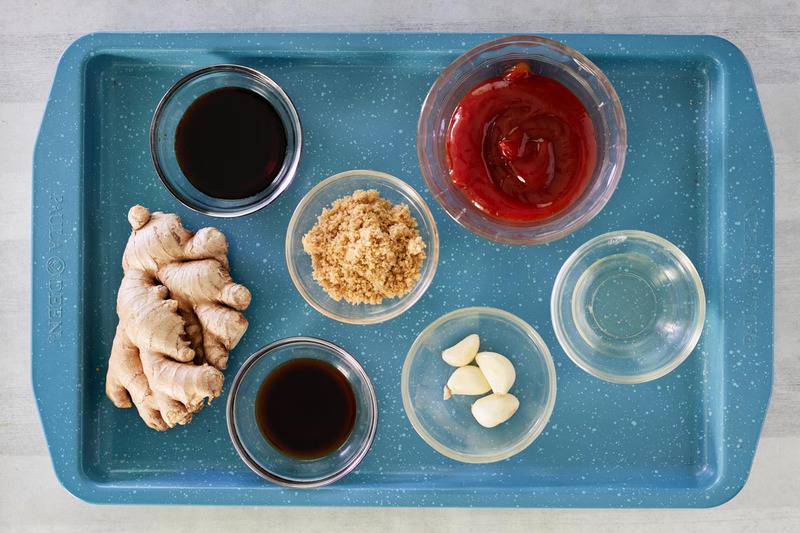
point(179, 316)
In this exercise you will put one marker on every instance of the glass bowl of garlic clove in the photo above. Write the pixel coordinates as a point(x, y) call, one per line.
point(454, 422)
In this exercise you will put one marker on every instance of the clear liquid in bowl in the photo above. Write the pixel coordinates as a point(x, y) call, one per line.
point(625, 304)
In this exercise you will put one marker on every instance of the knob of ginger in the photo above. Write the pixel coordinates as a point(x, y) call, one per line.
point(179, 316)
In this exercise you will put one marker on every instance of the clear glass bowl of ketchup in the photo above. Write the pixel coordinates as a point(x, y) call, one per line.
point(522, 140)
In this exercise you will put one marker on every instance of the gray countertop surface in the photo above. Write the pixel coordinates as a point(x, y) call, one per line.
point(32, 36)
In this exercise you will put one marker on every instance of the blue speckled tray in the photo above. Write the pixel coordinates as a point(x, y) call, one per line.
point(699, 172)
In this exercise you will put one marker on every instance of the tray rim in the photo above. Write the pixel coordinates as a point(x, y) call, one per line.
point(64, 448)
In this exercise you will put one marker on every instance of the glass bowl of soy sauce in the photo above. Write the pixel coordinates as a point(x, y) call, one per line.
point(302, 412)
point(226, 140)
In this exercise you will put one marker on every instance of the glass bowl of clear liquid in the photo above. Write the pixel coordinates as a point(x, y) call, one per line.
point(628, 307)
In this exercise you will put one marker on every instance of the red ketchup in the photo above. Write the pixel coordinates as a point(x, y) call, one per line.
point(521, 146)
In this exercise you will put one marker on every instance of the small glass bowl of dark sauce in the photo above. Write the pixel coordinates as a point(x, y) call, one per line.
point(302, 412)
point(226, 140)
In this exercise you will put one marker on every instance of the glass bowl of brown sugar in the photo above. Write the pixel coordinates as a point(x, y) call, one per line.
point(362, 247)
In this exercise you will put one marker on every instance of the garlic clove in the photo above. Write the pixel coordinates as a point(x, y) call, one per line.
point(467, 380)
point(463, 352)
point(498, 370)
point(494, 409)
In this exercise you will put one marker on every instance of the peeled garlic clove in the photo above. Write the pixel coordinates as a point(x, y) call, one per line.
point(462, 353)
point(466, 380)
point(498, 370)
point(494, 409)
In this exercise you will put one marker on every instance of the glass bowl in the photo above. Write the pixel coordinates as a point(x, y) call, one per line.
point(169, 112)
point(260, 455)
point(548, 58)
point(628, 306)
point(304, 218)
point(447, 425)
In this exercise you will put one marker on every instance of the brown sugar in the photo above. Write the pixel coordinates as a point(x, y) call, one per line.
point(364, 249)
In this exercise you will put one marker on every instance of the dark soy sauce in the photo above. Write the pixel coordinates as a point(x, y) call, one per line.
point(306, 408)
point(230, 143)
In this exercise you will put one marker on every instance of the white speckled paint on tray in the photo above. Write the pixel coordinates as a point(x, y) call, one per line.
point(686, 439)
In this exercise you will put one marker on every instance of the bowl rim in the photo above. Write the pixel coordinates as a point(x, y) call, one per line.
point(264, 351)
point(680, 355)
point(455, 212)
point(273, 87)
point(535, 430)
point(432, 247)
